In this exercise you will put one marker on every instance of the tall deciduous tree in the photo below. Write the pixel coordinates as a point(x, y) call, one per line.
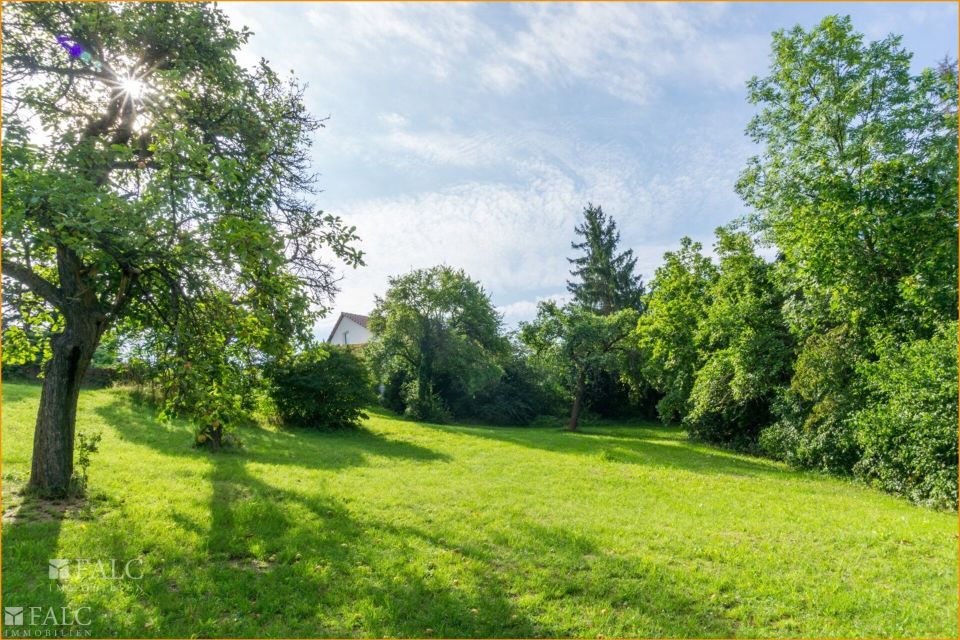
point(169, 189)
point(435, 325)
point(578, 343)
point(856, 184)
point(604, 278)
point(676, 305)
point(745, 346)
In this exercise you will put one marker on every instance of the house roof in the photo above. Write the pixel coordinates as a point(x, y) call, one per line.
point(356, 317)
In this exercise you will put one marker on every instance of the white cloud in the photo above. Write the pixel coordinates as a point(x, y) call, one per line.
point(447, 114)
point(624, 49)
point(393, 120)
point(514, 235)
point(437, 34)
point(525, 310)
point(445, 148)
point(627, 50)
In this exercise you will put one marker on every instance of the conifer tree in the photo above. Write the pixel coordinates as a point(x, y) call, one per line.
point(606, 279)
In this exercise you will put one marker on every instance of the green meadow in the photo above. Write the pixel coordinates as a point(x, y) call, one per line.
point(417, 530)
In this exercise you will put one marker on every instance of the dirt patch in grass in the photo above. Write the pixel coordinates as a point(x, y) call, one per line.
point(19, 505)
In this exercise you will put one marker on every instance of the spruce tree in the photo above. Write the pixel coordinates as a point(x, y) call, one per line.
point(605, 279)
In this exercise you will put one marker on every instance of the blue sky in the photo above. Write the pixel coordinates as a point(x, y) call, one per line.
point(474, 134)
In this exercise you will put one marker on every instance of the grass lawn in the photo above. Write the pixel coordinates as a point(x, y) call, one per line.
point(407, 529)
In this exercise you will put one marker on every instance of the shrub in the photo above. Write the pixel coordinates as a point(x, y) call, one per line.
point(817, 437)
point(908, 431)
point(814, 428)
point(514, 399)
point(430, 408)
point(325, 387)
point(87, 445)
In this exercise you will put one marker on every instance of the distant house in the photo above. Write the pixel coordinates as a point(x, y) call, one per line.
point(351, 329)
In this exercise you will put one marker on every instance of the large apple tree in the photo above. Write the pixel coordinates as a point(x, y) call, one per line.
point(151, 182)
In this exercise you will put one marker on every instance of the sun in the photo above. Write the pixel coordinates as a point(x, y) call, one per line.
point(133, 88)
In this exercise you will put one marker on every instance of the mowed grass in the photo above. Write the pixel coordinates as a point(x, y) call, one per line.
point(406, 529)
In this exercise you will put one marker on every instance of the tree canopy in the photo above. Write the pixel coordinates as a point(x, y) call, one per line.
point(576, 343)
point(166, 189)
point(675, 306)
point(436, 332)
point(856, 181)
point(747, 349)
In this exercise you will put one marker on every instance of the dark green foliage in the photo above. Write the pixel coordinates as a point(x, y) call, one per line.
point(856, 186)
point(393, 390)
point(745, 345)
point(604, 282)
point(518, 397)
point(437, 342)
point(511, 400)
point(606, 279)
point(574, 343)
point(326, 387)
point(814, 429)
point(675, 307)
point(611, 396)
point(908, 431)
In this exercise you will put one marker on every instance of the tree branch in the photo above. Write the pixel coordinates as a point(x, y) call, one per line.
point(40, 286)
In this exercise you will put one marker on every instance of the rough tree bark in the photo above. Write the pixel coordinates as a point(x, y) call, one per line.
point(53, 439)
point(85, 321)
point(577, 402)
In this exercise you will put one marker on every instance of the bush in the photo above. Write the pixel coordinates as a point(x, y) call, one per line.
point(325, 387)
point(514, 399)
point(814, 428)
point(430, 409)
point(719, 412)
point(818, 437)
point(908, 431)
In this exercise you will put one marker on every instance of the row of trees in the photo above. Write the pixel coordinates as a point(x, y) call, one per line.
point(838, 354)
point(168, 203)
point(441, 351)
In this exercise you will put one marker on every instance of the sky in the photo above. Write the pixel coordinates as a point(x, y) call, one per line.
point(473, 135)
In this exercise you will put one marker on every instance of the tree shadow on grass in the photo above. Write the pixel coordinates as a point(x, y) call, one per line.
point(544, 568)
point(356, 576)
point(31, 533)
point(280, 560)
point(303, 448)
point(299, 563)
point(646, 447)
point(294, 561)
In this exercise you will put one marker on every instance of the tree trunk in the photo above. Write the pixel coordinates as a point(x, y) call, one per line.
point(577, 402)
point(53, 438)
point(425, 370)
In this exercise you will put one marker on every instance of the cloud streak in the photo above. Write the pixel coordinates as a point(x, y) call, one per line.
point(474, 134)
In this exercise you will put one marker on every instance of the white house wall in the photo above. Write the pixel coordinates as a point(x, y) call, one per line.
point(349, 332)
